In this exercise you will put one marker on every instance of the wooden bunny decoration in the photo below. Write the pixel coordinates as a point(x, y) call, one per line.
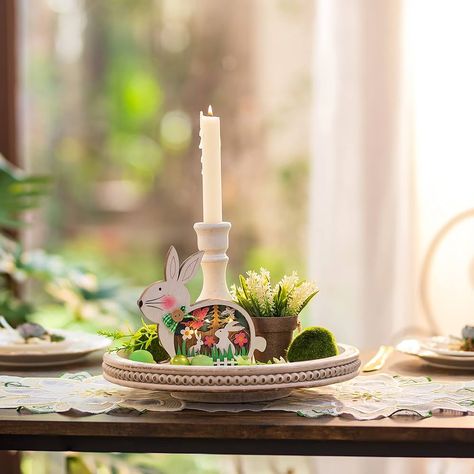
point(218, 328)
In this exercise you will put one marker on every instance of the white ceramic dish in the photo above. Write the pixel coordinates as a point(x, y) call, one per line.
point(444, 345)
point(76, 346)
point(416, 348)
point(8, 347)
point(232, 384)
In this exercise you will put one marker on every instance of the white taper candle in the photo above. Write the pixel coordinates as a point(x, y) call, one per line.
point(210, 133)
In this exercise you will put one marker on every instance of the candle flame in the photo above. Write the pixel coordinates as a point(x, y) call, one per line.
point(209, 111)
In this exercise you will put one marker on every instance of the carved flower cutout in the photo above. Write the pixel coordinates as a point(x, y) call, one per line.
point(187, 333)
point(209, 341)
point(240, 339)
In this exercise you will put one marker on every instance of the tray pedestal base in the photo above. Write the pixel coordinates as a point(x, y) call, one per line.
point(233, 397)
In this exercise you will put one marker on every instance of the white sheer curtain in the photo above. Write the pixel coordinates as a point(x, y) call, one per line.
point(393, 161)
point(362, 179)
point(440, 39)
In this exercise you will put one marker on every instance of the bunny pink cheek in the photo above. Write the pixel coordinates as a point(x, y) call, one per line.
point(169, 302)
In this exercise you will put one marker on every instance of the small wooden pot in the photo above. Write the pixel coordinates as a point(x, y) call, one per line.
point(278, 331)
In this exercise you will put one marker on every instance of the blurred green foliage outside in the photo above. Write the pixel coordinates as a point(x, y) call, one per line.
point(114, 91)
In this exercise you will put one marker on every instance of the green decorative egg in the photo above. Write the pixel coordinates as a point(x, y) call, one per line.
point(179, 360)
point(202, 359)
point(142, 356)
point(312, 343)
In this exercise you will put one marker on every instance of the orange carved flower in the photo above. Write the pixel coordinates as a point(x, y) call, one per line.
point(209, 341)
point(240, 339)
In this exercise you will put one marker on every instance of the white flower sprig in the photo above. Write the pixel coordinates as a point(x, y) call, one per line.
point(287, 298)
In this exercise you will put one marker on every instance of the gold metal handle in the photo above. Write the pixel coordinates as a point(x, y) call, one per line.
point(379, 359)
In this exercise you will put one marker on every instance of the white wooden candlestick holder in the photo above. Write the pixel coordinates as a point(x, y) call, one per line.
point(213, 239)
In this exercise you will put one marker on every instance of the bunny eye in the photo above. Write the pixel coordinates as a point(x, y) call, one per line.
point(159, 289)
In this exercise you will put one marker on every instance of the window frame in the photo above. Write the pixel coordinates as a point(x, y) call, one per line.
point(9, 80)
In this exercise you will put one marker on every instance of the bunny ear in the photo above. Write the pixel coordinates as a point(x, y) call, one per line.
point(172, 264)
point(190, 267)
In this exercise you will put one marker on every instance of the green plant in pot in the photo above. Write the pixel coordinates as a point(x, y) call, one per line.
point(274, 308)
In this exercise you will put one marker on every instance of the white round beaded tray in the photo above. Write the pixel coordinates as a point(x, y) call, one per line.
point(232, 383)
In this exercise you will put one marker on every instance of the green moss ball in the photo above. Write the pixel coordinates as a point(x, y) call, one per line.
point(159, 354)
point(142, 356)
point(156, 349)
point(312, 343)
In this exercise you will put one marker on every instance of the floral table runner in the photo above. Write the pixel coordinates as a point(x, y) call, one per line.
point(362, 398)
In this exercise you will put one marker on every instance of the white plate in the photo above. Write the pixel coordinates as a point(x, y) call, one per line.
point(443, 345)
point(75, 346)
point(416, 348)
point(71, 339)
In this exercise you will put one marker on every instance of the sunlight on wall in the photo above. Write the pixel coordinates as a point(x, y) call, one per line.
point(439, 45)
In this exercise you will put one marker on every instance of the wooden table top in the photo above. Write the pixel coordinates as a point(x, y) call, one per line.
point(243, 433)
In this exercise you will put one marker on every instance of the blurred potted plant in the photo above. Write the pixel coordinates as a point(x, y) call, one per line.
point(18, 193)
point(274, 309)
point(76, 292)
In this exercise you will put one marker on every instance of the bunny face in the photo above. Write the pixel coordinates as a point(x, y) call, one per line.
point(161, 298)
point(164, 296)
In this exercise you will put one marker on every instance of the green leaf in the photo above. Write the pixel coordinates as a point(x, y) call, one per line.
point(307, 300)
point(18, 192)
point(246, 299)
point(113, 334)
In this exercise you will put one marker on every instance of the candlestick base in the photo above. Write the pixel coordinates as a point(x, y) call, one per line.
point(214, 240)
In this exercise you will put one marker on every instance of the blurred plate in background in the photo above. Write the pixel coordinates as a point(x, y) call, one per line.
point(415, 347)
point(75, 346)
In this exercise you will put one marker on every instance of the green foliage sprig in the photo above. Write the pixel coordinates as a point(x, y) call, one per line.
point(144, 338)
point(260, 299)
